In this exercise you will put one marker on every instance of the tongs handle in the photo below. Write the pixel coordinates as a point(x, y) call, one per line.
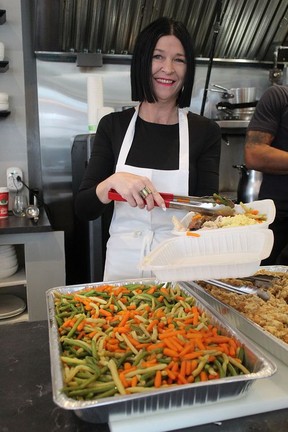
point(113, 195)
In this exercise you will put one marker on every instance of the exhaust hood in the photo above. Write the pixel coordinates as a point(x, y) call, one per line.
point(249, 31)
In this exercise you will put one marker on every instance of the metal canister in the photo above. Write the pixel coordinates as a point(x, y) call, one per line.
point(4, 202)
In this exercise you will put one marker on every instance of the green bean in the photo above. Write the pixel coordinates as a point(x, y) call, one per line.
point(225, 362)
point(140, 356)
point(146, 370)
point(94, 350)
point(231, 369)
point(201, 365)
point(240, 354)
point(123, 358)
point(96, 388)
point(222, 373)
point(148, 375)
point(74, 328)
point(79, 343)
point(90, 361)
point(72, 361)
point(115, 376)
point(149, 383)
point(239, 365)
point(108, 393)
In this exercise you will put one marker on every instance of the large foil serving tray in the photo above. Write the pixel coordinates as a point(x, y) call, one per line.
point(270, 343)
point(170, 398)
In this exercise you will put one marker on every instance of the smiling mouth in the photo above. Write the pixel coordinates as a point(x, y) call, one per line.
point(165, 81)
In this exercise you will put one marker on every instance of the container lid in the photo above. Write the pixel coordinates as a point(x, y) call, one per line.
point(4, 189)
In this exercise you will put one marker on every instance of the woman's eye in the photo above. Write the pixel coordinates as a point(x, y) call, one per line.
point(180, 60)
point(157, 57)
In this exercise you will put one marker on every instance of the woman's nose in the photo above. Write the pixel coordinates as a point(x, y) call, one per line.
point(168, 67)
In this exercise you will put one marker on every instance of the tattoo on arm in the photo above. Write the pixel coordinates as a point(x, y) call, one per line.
point(258, 138)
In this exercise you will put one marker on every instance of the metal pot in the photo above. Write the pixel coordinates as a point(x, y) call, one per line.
point(247, 96)
point(249, 184)
point(239, 102)
point(243, 94)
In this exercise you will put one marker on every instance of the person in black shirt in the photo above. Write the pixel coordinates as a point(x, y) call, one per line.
point(266, 150)
point(155, 147)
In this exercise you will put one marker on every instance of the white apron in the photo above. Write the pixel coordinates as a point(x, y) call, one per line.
point(135, 232)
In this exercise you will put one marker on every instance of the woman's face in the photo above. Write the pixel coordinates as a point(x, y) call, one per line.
point(168, 68)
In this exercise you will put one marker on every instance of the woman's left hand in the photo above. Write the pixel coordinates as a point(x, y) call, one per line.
point(137, 190)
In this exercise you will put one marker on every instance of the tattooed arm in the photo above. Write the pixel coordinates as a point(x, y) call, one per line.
point(259, 154)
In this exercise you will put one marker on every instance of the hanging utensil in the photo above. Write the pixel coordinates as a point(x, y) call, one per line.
point(226, 94)
point(203, 205)
point(244, 289)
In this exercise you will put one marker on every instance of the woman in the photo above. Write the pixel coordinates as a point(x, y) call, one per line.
point(155, 147)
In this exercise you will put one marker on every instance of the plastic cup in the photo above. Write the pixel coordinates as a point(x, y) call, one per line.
point(20, 205)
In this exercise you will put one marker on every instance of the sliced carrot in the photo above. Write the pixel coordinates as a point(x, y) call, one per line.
point(123, 379)
point(170, 353)
point(203, 376)
point(183, 368)
point(173, 344)
point(155, 346)
point(192, 234)
point(151, 325)
point(193, 355)
point(181, 379)
point(158, 379)
point(171, 375)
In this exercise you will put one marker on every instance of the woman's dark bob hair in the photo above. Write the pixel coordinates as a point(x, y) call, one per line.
point(141, 80)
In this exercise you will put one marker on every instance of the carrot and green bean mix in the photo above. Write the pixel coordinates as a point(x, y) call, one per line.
point(132, 338)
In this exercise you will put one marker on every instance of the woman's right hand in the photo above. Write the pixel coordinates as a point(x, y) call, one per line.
point(129, 186)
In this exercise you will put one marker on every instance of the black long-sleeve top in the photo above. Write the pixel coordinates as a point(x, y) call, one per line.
point(154, 146)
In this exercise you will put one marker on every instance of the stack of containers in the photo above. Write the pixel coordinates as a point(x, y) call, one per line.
point(8, 261)
point(96, 110)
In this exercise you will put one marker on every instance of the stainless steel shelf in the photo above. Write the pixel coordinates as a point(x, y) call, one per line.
point(233, 124)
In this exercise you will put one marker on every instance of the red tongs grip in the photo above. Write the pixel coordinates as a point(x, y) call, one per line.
point(115, 196)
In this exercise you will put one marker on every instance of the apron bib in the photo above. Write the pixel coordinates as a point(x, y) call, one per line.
point(135, 232)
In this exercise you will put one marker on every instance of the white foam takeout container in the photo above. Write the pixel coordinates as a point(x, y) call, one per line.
point(266, 207)
point(224, 254)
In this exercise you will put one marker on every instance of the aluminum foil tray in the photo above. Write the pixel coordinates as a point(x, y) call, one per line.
point(176, 397)
point(270, 343)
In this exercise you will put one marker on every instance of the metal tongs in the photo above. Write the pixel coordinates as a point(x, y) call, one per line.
point(244, 289)
point(204, 205)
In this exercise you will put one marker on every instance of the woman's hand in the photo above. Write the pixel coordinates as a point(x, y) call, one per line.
point(129, 187)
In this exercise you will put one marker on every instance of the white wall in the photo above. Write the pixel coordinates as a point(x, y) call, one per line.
point(13, 141)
